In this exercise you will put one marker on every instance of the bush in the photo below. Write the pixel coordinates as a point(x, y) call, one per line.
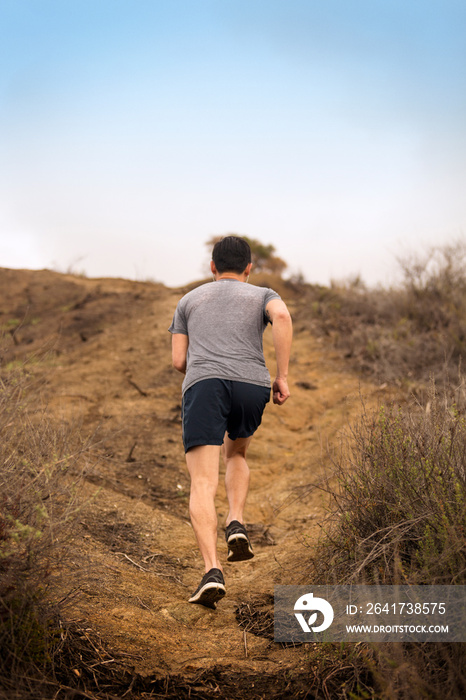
point(400, 518)
point(37, 508)
point(405, 335)
point(400, 513)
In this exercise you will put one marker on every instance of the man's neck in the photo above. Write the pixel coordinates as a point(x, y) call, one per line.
point(231, 276)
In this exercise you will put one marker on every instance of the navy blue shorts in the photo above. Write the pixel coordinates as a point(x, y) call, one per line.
point(213, 407)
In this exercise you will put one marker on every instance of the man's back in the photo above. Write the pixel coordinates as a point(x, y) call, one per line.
point(225, 321)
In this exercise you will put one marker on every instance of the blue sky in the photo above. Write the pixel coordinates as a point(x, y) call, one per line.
point(131, 131)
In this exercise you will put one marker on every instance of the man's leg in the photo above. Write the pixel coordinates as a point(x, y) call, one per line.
point(237, 484)
point(236, 476)
point(203, 463)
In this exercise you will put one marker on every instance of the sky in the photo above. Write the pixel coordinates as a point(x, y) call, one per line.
point(132, 131)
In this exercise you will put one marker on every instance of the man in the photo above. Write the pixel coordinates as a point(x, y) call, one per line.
point(217, 334)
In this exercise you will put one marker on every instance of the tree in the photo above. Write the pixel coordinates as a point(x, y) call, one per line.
point(263, 258)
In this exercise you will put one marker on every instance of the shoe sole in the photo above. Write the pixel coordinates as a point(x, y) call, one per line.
point(239, 548)
point(209, 595)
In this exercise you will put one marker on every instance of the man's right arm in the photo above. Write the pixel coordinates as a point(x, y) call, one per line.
point(180, 343)
point(282, 334)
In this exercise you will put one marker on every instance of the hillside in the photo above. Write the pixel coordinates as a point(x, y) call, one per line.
point(101, 358)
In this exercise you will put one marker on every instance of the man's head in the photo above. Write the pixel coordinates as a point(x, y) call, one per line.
point(231, 254)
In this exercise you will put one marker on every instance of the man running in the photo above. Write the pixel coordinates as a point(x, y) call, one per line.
point(217, 334)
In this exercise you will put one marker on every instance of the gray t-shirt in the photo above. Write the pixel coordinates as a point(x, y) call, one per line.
point(225, 321)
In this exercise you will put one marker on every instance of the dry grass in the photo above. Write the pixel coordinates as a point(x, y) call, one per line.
point(400, 510)
point(41, 466)
point(406, 335)
point(399, 517)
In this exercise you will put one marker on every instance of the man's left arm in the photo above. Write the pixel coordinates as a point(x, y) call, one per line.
point(282, 334)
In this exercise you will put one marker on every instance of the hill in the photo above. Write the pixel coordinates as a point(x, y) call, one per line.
point(98, 353)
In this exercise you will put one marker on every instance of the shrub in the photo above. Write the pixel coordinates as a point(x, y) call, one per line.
point(404, 335)
point(263, 255)
point(400, 518)
point(400, 513)
point(37, 508)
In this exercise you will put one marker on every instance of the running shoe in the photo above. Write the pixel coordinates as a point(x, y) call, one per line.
point(210, 590)
point(239, 546)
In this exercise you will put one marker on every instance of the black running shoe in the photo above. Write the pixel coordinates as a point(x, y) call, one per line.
point(239, 546)
point(210, 590)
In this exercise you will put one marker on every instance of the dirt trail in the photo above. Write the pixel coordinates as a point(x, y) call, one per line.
point(108, 369)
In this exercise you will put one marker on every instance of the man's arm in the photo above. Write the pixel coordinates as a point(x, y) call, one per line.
point(180, 344)
point(282, 333)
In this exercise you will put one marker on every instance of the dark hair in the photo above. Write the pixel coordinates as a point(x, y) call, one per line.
point(231, 254)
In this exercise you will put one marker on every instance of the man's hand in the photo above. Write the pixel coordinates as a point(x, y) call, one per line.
point(280, 391)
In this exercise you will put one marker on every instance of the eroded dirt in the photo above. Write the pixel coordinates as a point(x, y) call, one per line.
point(103, 358)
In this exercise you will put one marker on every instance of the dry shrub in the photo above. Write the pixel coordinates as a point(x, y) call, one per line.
point(400, 512)
point(400, 518)
point(39, 476)
point(404, 335)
